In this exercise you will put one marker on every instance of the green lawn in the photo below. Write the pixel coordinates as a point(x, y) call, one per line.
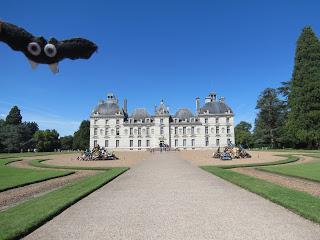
point(20, 220)
point(310, 171)
point(289, 159)
point(301, 203)
point(39, 163)
point(29, 154)
point(11, 177)
point(288, 150)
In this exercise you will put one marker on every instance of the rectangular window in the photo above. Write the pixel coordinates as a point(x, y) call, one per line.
point(117, 131)
point(206, 130)
point(139, 131)
point(192, 130)
point(228, 141)
point(148, 143)
point(207, 141)
point(217, 130)
point(95, 131)
point(184, 142)
point(131, 143)
point(107, 132)
point(176, 142)
point(227, 120)
point(106, 143)
point(131, 131)
point(192, 142)
point(139, 143)
point(217, 120)
point(106, 121)
point(228, 130)
point(218, 142)
point(176, 130)
point(206, 120)
point(184, 130)
point(95, 143)
point(117, 143)
point(161, 130)
point(161, 120)
point(117, 121)
point(95, 121)
point(148, 131)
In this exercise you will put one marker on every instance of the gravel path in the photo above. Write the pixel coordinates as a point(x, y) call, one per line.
point(165, 197)
point(299, 184)
point(14, 196)
point(302, 185)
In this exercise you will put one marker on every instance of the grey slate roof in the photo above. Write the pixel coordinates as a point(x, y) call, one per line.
point(107, 108)
point(215, 108)
point(183, 113)
point(140, 113)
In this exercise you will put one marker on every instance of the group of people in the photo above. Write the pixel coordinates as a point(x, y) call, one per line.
point(97, 153)
point(230, 152)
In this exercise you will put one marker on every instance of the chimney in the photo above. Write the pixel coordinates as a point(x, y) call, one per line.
point(125, 105)
point(197, 104)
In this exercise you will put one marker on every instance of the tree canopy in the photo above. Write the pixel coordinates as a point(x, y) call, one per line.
point(47, 140)
point(81, 137)
point(269, 119)
point(303, 123)
point(243, 134)
point(14, 117)
point(66, 142)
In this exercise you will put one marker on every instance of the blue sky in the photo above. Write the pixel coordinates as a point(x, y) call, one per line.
point(152, 50)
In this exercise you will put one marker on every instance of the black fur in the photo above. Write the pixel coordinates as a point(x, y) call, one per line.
point(18, 39)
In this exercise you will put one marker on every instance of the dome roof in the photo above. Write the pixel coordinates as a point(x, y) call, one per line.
point(140, 113)
point(107, 108)
point(215, 108)
point(183, 113)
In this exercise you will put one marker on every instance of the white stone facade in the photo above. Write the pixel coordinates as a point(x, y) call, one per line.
point(113, 128)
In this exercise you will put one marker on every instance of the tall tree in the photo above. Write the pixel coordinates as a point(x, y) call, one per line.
point(243, 135)
point(66, 143)
point(11, 136)
point(28, 129)
point(14, 117)
point(81, 137)
point(2, 124)
point(47, 140)
point(269, 119)
point(303, 122)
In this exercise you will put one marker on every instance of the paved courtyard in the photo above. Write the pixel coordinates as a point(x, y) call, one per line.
point(165, 197)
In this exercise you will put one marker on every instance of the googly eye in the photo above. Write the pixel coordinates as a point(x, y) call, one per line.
point(34, 48)
point(50, 50)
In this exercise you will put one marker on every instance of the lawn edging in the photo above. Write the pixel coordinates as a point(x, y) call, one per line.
point(289, 159)
point(4, 163)
point(304, 204)
point(35, 212)
point(39, 163)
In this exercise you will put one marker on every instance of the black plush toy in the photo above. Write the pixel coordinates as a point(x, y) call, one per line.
point(39, 50)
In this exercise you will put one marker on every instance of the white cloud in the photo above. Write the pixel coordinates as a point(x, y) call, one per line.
point(43, 117)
